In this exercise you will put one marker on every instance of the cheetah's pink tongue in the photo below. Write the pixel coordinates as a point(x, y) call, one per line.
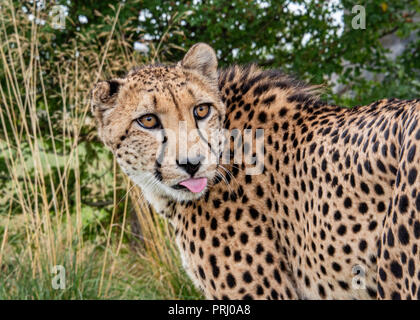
point(195, 185)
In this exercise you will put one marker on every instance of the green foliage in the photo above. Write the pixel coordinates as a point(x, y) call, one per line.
point(306, 42)
point(17, 281)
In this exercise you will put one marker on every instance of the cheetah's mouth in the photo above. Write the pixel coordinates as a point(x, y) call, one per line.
point(195, 185)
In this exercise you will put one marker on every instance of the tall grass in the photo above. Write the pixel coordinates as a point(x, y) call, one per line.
point(46, 139)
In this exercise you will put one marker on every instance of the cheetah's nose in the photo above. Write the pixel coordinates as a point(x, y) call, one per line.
point(191, 166)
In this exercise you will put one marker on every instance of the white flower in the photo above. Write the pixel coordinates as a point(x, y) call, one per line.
point(264, 4)
point(144, 14)
point(83, 19)
point(235, 52)
point(40, 21)
point(141, 47)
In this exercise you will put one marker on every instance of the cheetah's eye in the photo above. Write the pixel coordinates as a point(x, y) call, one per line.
point(202, 111)
point(149, 121)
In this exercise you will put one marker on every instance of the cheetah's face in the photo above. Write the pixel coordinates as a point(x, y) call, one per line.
point(164, 124)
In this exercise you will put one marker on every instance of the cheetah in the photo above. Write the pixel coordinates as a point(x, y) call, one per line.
point(334, 212)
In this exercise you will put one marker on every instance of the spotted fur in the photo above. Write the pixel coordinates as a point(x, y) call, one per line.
point(335, 213)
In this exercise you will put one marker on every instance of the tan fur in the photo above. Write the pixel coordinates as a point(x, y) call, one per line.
point(338, 200)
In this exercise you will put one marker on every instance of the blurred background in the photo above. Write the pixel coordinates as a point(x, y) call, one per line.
point(64, 201)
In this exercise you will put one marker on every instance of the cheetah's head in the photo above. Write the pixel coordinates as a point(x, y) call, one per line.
point(163, 124)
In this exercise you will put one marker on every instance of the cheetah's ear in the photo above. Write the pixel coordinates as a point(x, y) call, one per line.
point(104, 95)
point(201, 58)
